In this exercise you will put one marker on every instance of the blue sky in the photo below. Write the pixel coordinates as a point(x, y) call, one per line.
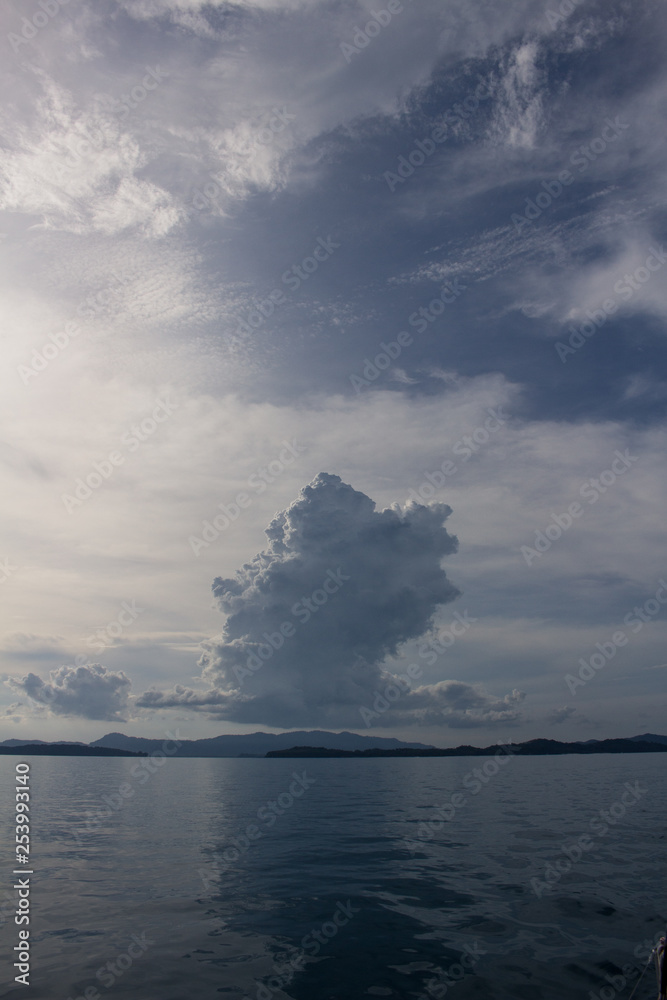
point(404, 253)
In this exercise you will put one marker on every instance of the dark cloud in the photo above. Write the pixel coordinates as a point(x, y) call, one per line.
point(460, 706)
point(91, 691)
point(313, 617)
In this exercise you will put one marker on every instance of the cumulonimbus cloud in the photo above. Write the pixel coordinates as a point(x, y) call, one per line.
point(312, 618)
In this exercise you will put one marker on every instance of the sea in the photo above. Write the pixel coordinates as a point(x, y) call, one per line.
point(499, 878)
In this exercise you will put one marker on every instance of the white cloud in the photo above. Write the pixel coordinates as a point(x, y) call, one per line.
point(77, 170)
point(518, 112)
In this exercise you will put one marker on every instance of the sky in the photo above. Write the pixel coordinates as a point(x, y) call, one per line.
point(334, 373)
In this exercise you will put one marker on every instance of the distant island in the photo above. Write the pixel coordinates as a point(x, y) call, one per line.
point(533, 748)
point(313, 743)
point(67, 750)
point(238, 745)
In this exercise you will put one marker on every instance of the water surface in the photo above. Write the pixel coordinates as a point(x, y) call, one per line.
point(192, 885)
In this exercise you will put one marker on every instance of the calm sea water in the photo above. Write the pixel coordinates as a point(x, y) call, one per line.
point(193, 886)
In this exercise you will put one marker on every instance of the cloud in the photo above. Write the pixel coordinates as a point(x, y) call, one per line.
point(519, 114)
point(90, 691)
point(76, 168)
point(23, 645)
point(560, 715)
point(312, 618)
point(14, 712)
point(103, 227)
point(459, 706)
